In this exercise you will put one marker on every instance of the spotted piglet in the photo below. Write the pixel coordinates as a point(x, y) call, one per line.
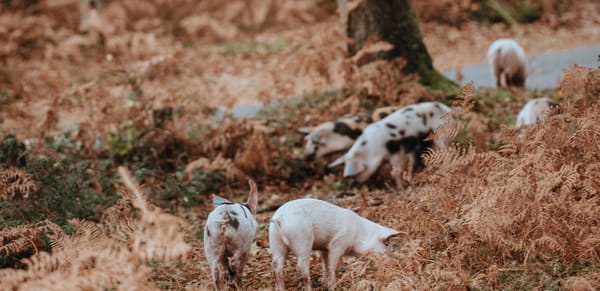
point(228, 234)
point(339, 135)
point(398, 137)
point(302, 225)
point(535, 110)
point(508, 63)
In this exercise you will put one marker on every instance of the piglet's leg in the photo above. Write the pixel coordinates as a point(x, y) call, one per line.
point(304, 269)
point(412, 160)
point(398, 162)
point(218, 267)
point(335, 254)
point(277, 266)
point(325, 264)
point(215, 254)
point(301, 242)
point(277, 263)
point(236, 266)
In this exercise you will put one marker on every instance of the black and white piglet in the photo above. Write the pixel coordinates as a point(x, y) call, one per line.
point(228, 234)
point(398, 137)
point(340, 134)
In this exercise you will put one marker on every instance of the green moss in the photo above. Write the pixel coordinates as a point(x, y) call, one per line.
point(507, 11)
point(12, 152)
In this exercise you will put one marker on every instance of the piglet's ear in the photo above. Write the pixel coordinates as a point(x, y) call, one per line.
point(337, 162)
point(252, 197)
point(389, 237)
point(217, 200)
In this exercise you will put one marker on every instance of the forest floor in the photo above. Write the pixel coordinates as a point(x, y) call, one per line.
point(143, 88)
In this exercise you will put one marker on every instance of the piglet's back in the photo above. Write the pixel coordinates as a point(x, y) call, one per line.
point(322, 218)
point(310, 209)
point(232, 220)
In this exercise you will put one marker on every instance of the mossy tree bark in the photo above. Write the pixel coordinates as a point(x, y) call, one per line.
point(395, 22)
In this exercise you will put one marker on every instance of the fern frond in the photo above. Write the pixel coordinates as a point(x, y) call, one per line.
point(219, 163)
point(549, 243)
point(158, 236)
point(15, 182)
point(464, 99)
point(18, 239)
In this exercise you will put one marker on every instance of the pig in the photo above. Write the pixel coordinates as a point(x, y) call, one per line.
point(340, 134)
point(535, 110)
point(307, 224)
point(508, 63)
point(397, 137)
point(228, 234)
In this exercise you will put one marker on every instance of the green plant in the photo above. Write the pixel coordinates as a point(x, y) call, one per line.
point(12, 152)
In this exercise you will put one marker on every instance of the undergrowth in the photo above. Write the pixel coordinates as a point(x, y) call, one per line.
point(493, 211)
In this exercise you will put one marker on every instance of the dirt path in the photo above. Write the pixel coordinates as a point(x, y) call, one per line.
point(453, 48)
point(544, 71)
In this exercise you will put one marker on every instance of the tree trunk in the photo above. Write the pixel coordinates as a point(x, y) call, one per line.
point(395, 22)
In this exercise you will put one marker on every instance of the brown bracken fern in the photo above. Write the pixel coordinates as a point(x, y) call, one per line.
point(476, 215)
point(15, 182)
point(107, 255)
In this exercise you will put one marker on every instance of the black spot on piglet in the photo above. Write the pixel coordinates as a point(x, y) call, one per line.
point(408, 144)
point(411, 144)
point(233, 222)
point(344, 129)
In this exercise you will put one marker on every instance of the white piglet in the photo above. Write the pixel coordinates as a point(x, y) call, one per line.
point(228, 234)
point(303, 225)
point(398, 137)
point(508, 63)
point(535, 110)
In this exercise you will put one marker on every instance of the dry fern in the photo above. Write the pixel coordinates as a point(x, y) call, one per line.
point(18, 239)
point(461, 105)
point(109, 255)
point(579, 82)
point(256, 154)
point(219, 163)
point(158, 236)
point(533, 199)
point(15, 182)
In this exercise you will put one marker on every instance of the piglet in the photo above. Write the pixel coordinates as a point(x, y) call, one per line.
point(228, 234)
point(340, 134)
point(309, 224)
point(397, 138)
point(535, 110)
point(508, 63)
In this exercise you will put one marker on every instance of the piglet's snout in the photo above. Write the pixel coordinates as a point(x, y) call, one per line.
point(352, 170)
